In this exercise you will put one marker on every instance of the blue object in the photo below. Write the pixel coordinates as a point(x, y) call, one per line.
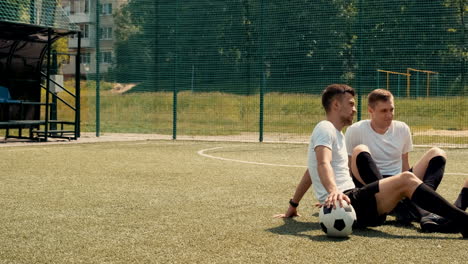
point(5, 96)
point(4, 93)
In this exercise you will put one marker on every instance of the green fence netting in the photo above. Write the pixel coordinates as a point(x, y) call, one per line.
point(254, 69)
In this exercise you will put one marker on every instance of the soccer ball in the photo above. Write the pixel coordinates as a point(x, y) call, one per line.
point(337, 222)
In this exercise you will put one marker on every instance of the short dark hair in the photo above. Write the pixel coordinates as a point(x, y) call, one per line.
point(332, 91)
point(377, 95)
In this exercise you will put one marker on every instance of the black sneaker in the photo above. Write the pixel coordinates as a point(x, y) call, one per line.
point(434, 223)
point(448, 227)
point(406, 212)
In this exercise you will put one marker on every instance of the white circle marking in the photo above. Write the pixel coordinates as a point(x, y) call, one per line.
point(202, 153)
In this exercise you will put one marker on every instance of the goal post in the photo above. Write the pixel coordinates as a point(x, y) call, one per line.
point(428, 78)
point(388, 73)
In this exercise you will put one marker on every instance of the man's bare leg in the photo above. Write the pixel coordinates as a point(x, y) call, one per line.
point(395, 188)
point(430, 167)
point(363, 168)
point(406, 184)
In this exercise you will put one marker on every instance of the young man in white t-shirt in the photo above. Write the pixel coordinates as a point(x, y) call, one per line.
point(389, 143)
point(328, 161)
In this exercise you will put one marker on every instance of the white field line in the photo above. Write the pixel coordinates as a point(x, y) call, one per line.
point(202, 153)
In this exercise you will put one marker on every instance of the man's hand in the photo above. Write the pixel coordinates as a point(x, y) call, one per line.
point(335, 196)
point(291, 212)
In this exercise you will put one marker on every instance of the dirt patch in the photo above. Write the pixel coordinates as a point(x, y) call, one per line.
point(120, 88)
point(448, 133)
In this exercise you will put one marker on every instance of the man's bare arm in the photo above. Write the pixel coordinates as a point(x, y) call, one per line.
point(301, 189)
point(327, 176)
point(405, 162)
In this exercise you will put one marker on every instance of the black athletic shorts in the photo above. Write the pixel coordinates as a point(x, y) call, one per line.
point(365, 205)
point(368, 165)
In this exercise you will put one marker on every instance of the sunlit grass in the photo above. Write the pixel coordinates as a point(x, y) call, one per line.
point(160, 202)
point(229, 114)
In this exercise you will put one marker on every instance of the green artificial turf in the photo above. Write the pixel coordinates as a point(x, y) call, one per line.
point(161, 202)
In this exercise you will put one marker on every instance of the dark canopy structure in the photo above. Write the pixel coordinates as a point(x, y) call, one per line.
point(25, 69)
point(23, 49)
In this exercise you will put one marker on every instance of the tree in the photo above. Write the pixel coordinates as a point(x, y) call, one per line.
point(299, 44)
point(458, 48)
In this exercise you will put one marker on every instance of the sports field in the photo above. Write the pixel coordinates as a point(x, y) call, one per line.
point(188, 202)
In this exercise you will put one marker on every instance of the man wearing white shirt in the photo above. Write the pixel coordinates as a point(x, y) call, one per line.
point(327, 164)
point(389, 149)
point(389, 143)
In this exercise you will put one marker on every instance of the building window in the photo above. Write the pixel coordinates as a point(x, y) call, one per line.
point(73, 7)
point(106, 57)
point(105, 33)
point(67, 10)
point(85, 58)
point(78, 6)
point(84, 30)
point(106, 9)
point(86, 7)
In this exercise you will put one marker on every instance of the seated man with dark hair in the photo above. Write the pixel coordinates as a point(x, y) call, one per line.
point(390, 142)
point(328, 167)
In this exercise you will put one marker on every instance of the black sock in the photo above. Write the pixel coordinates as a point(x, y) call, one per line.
point(434, 172)
point(421, 211)
point(367, 168)
point(428, 199)
point(462, 200)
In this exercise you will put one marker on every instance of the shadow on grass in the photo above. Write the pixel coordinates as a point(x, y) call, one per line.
point(292, 227)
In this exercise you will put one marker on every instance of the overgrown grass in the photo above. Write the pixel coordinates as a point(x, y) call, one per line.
point(228, 114)
point(160, 202)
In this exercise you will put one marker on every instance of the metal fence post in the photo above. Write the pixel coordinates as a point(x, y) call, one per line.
point(97, 77)
point(53, 106)
point(47, 109)
point(78, 88)
point(262, 67)
point(174, 99)
point(360, 62)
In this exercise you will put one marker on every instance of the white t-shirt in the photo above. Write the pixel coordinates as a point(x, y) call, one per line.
point(386, 149)
point(325, 134)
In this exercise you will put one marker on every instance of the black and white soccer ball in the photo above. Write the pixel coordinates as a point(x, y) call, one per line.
point(337, 222)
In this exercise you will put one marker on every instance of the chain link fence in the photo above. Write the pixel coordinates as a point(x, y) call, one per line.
point(254, 69)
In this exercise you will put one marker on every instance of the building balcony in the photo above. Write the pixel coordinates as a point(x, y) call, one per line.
point(68, 70)
point(85, 43)
point(81, 18)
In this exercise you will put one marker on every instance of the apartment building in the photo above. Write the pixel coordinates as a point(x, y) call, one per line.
point(83, 13)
